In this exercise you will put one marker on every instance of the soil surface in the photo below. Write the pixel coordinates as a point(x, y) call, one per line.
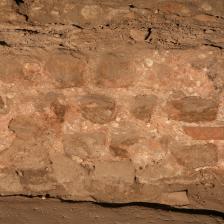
point(50, 211)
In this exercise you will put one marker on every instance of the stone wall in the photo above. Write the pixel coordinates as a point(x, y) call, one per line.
point(113, 101)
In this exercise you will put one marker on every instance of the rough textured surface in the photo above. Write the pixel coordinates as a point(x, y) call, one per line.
point(113, 101)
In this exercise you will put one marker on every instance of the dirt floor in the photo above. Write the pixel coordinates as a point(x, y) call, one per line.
point(49, 211)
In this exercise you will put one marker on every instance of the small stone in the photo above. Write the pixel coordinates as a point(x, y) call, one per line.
point(137, 35)
point(91, 12)
point(59, 110)
point(206, 6)
point(98, 108)
point(149, 62)
point(31, 69)
point(143, 106)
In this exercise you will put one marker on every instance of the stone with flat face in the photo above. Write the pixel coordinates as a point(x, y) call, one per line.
point(115, 71)
point(98, 108)
point(143, 106)
point(193, 109)
point(65, 70)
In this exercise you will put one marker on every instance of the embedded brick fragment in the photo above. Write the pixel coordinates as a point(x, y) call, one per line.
point(115, 70)
point(192, 109)
point(205, 133)
point(66, 70)
point(84, 145)
point(196, 156)
point(98, 108)
point(143, 106)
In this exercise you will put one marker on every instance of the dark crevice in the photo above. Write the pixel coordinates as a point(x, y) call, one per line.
point(18, 2)
point(28, 31)
point(165, 208)
point(3, 43)
point(77, 26)
point(131, 6)
point(149, 32)
point(156, 206)
point(214, 45)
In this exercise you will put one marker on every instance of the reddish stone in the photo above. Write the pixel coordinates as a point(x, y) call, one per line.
point(198, 155)
point(205, 133)
point(192, 109)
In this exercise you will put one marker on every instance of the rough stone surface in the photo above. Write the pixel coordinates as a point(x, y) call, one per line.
point(113, 101)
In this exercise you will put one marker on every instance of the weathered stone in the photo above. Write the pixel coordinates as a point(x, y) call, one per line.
point(65, 70)
point(84, 145)
point(25, 127)
point(143, 106)
point(175, 198)
point(205, 133)
point(138, 35)
point(114, 71)
point(197, 156)
point(122, 138)
point(10, 182)
point(98, 108)
point(10, 74)
point(38, 180)
point(159, 169)
point(28, 153)
point(192, 109)
point(114, 171)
